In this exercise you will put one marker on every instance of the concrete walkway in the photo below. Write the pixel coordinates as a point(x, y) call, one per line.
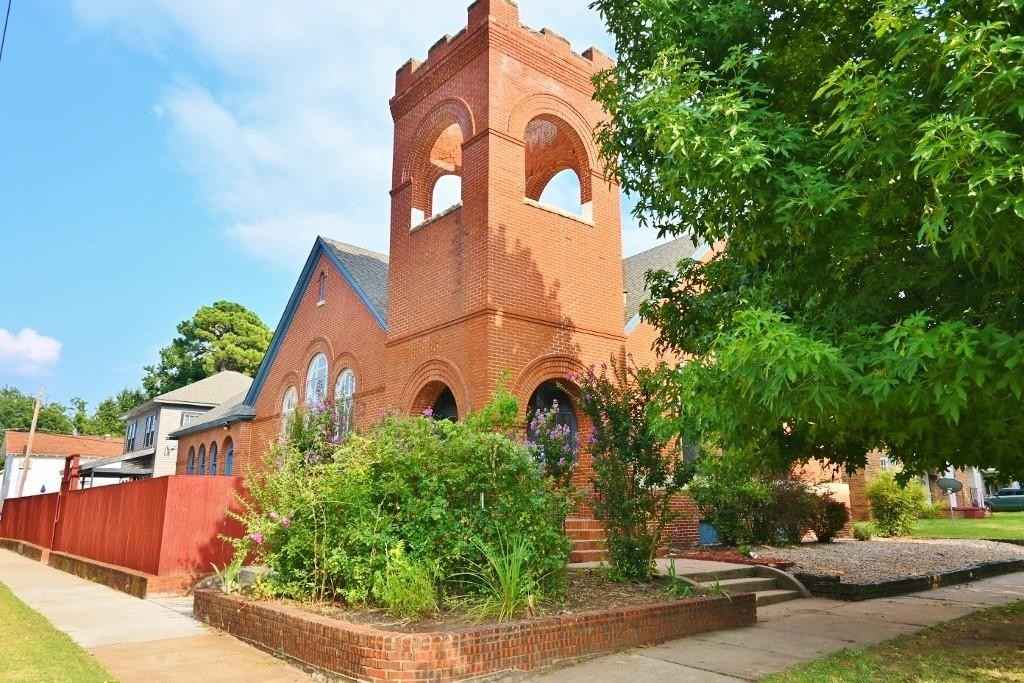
point(789, 634)
point(148, 641)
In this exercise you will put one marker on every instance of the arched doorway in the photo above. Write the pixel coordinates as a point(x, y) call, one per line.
point(436, 400)
point(546, 397)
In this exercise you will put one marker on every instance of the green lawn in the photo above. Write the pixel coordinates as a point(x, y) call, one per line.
point(34, 651)
point(985, 646)
point(1001, 525)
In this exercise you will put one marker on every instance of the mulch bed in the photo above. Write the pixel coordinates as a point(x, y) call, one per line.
point(588, 590)
point(729, 555)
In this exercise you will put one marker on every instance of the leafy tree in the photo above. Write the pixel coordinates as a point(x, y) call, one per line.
point(16, 413)
point(864, 163)
point(106, 421)
point(224, 336)
point(107, 418)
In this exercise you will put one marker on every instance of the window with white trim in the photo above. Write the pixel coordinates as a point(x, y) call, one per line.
point(344, 399)
point(149, 434)
point(288, 406)
point(316, 381)
point(189, 419)
point(129, 438)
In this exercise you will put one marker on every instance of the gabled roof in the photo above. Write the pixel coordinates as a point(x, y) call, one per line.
point(206, 393)
point(232, 410)
point(369, 269)
point(366, 272)
point(662, 257)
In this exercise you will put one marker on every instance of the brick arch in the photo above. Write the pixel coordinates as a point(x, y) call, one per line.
point(427, 377)
point(543, 369)
point(417, 168)
point(577, 152)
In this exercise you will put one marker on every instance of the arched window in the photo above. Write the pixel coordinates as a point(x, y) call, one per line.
point(202, 459)
point(288, 406)
point(322, 288)
point(548, 396)
point(437, 186)
point(316, 381)
point(213, 458)
point(344, 393)
point(190, 467)
point(229, 457)
point(558, 166)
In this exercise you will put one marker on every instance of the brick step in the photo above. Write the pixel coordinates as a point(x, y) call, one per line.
point(722, 574)
point(589, 545)
point(588, 556)
point(582, 524)
point(773, 597)
point(586, 535)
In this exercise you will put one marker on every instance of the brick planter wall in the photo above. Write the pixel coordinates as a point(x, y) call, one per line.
point(364, 653)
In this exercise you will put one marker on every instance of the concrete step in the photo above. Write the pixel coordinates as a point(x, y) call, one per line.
point(721, 574)
point(742, 585)
point(773, 597)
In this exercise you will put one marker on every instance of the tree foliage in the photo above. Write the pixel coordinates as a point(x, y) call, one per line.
point(863, 161)
point(16, 413)
point(224, 336)
point(106, 420)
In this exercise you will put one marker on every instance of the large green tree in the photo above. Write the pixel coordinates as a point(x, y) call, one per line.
point(224, 336)
point(16, 413)
point(107, 419)
point(863, 162)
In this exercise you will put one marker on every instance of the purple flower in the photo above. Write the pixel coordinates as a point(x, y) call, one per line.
point(274, 516)
point(286, 522)
point(428, 412)
point(256, 537)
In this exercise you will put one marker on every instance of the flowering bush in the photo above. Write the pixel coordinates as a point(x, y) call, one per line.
point(391, 516)
point(636, 472)
point(554, 446)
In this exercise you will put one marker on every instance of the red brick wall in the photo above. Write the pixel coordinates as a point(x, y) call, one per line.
point(364, 653)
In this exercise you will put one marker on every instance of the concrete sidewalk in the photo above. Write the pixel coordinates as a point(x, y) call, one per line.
point(148, 641)
point(789, 634)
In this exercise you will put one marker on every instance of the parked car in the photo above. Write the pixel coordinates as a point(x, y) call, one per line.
point(1006, 500)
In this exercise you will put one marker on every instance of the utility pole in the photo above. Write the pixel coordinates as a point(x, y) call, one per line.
point(28, 446)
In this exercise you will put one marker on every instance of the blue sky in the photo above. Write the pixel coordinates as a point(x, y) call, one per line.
point(158, 155)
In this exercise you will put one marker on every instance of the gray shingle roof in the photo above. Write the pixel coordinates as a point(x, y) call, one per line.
point(209, 392)
point(229, 411)
point(369, 269)
point(635, 269)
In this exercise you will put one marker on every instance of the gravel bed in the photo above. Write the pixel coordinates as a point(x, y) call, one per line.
point(862, 562)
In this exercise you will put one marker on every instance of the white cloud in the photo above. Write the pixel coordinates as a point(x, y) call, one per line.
point(28, 352)
point(286, 127)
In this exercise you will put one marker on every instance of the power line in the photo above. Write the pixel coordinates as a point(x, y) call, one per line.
point(3, 41)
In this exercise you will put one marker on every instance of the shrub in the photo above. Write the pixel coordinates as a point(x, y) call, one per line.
point(554, 446)
point(789, 514)
point(504, 586)
point(830, 516)
point(406, 587)
point(731, 498)
point(895, 507)
point(327, 517)
point(634, 477)
point(863, 531)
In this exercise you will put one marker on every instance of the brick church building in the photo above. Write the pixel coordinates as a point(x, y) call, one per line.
point(499, 285)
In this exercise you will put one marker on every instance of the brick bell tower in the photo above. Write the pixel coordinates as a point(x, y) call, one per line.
point(499, 282)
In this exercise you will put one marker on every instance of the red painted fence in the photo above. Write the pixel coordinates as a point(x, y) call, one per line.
point(29, 519)
point(165, 526)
